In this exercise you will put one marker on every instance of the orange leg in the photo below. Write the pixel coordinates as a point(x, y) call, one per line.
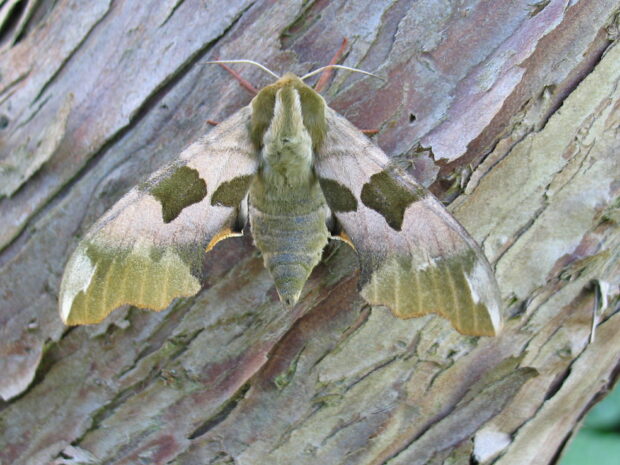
point(244, 83)
point(327, 74)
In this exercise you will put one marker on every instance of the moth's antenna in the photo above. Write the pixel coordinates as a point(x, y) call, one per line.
point(317, 71)
point(249, 62)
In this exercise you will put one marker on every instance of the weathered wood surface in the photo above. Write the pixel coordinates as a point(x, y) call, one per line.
point(95, 95)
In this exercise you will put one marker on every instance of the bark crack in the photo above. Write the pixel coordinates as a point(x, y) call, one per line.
point(172, 11)
point(67, 58)
point(224, 412)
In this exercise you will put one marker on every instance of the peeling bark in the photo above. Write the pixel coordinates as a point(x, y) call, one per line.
point(510, 110)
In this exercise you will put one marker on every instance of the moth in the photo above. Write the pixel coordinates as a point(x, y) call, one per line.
point(301, 175)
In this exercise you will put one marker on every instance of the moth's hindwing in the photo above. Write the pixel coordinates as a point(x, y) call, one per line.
point(415, 257)
point(148, 248)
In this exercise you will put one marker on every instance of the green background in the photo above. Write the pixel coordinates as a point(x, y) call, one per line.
point(598, 441)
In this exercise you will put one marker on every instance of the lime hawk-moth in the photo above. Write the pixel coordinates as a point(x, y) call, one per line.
point(300, 174)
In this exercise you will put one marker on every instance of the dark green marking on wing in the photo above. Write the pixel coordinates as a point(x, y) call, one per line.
point(178, 190)
point(384, 194)
point(338, 197)
point(231, 193)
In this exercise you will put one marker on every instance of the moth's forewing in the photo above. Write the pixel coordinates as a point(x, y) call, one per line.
point(148, 248)
point(415, 257)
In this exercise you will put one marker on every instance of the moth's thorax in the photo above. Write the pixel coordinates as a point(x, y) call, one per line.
point(287, 127)
point(286, 155)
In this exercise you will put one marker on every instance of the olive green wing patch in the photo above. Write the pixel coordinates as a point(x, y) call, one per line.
point(231, 193)
point(181, 187)
point(105, 278)
point(415, 257)
point(339, 198)
point(389, 198)
point(149, 248)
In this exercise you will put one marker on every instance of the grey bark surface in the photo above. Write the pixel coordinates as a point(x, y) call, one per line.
point(508, 110)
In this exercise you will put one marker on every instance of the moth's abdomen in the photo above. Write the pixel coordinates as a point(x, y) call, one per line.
point(291, 243)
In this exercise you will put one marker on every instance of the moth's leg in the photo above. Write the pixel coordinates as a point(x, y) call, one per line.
point(235, 229)
point(335, 230)
point(244, 82)
point(327, 74)
point(337, 236)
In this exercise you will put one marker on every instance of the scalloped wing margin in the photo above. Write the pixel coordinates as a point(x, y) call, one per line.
point(148, 249)
point(415, 256)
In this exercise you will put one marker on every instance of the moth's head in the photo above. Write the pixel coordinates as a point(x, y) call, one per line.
point(290, 107)
point(312, 104)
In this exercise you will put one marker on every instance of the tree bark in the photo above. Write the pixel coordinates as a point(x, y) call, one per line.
point(508, 110)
